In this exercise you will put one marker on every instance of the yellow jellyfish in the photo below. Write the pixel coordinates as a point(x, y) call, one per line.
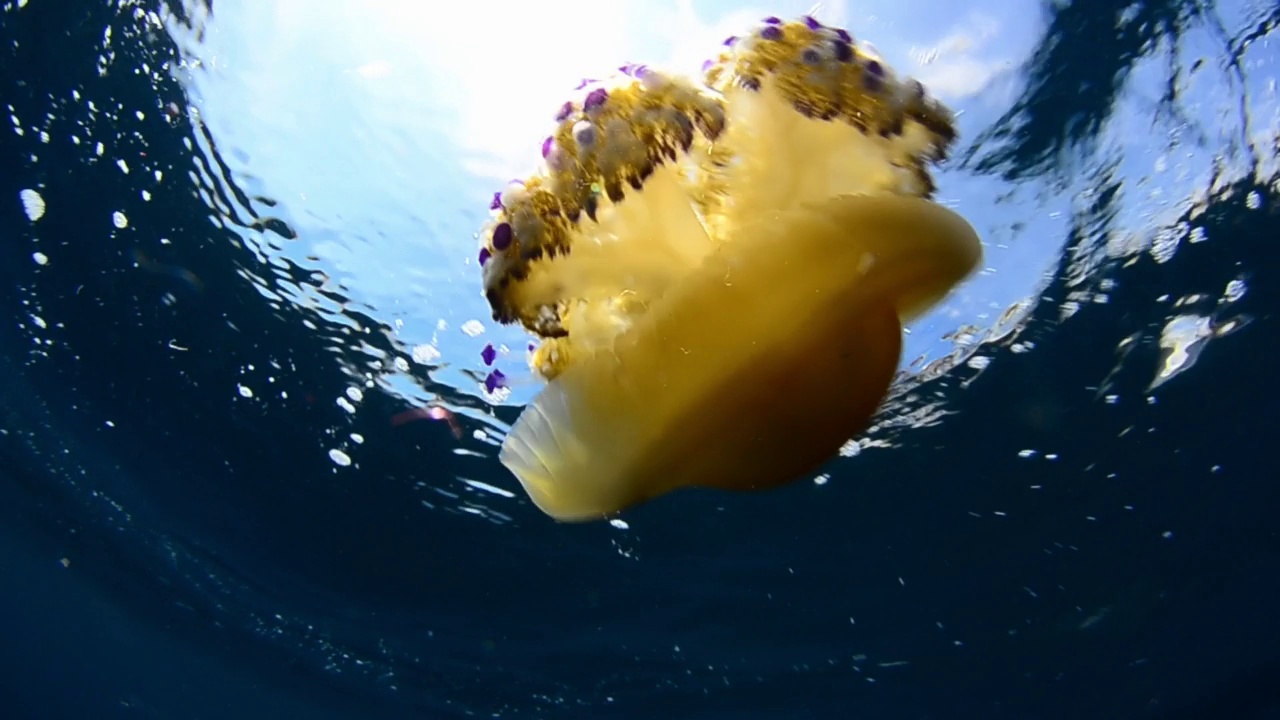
point(720, 268)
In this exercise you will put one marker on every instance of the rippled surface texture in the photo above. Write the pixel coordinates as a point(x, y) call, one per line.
point(249, 430)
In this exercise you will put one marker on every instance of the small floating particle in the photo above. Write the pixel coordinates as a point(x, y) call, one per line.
point(244, 391)
point(496, 379)
point(431, 412)
point(339, 458)
point(423, 354)
point(119, 219)
point(32, 203)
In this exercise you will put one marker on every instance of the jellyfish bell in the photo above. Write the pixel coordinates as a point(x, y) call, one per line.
point(720, 269)
point(749, 373)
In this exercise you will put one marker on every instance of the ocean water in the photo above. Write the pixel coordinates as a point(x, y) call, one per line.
point(238, 240)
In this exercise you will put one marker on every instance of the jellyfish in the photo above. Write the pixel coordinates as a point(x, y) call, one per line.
point(719, 268)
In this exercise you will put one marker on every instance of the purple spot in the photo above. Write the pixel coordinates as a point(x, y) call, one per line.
point(484, 256)
point(496, 204)
point(641, 71)
point(771, 20)
point(810, 56)
point(772, 32)
point(729, 41)
point(488, 354)
point(707, 65)
point(564, 112)
point(844, 35)
point(584, 133)
point(502, 237)
point(875, 68)
point(595, 99)
point(532, 347)
point(585, 82)
point(812, 22)
point(546, 146)
point(495, 380)
point(844, 51)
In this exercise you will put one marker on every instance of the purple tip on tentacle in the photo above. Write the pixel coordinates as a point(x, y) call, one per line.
point(771, 32)
point(558, 159)
point(496, 203)
point(873, 78)
point(546, 146)
point(584, 83)
point(584, 133)
point(844, 35)
point(484, 256)
point(532, 347)
point(635, 70)
point(495, 380)
point(595, 99)
point(488, 355)
point(811, 56)
point(844, 51)
point(729, 41)
point(502, 236)
point(772, 20)
point(565, 111)
point(812, 22)
point(707, 65)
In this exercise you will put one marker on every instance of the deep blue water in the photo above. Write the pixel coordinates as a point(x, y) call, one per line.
point(217, 565)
